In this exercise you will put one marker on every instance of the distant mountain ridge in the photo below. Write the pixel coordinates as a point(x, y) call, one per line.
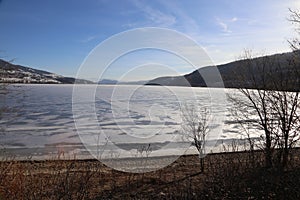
point(11, 73)
point(115, 82)
point(230, 73)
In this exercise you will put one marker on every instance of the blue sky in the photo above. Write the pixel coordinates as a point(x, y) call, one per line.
point(58, 35)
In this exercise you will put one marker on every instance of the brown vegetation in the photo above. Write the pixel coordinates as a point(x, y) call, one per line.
point(236, 175)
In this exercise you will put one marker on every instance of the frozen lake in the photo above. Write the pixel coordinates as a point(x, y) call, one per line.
point(115, 121)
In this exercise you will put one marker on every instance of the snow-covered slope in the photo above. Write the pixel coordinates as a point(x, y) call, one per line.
point(10, 73)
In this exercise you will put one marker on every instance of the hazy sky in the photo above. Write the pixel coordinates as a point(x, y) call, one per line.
point(57, 35)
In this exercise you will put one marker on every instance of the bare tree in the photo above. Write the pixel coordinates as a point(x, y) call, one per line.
point(245, 118)
point(272, 105)
point(270, 85)
point(195, 125)
point(295, 19)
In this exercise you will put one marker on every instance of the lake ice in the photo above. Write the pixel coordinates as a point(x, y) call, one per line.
point(40, 119)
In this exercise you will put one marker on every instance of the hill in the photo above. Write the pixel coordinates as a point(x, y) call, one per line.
point(232, 72)
point(11, 73)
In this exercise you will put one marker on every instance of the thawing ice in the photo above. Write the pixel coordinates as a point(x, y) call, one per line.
point(42, 116)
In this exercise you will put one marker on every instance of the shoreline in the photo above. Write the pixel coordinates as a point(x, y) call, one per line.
point(226, 174)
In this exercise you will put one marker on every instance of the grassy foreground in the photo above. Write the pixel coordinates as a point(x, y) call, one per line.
point(237, 175)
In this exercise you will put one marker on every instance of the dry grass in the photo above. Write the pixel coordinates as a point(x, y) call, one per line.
point(226, 176)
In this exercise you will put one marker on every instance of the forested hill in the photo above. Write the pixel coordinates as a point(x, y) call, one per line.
point(241, 73)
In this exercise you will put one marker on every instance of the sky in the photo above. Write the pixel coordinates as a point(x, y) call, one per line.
point(58, 36)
